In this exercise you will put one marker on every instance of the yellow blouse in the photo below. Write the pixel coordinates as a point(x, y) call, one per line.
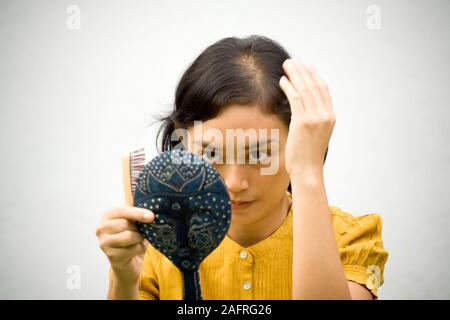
point(264, 270)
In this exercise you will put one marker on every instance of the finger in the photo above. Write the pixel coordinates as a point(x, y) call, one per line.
point(124, 239)
point(127, 252)
point(131, 213)
point(293, 75)
point(311, 85)
point(293, 96)
point(323, 88)
point(118, 225)
point(293, 72)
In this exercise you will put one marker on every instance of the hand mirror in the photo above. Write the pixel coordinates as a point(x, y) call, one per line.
point(192, 211)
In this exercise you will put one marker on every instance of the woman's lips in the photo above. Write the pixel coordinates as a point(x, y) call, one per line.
point(240, 205)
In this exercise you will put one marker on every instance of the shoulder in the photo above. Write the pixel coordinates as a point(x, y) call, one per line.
point(361, 248)
point(348, 226)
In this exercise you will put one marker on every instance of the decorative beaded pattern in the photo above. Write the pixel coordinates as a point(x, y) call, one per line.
point(191, 205)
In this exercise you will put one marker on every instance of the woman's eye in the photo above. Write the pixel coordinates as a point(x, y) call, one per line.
point(258, 156)
point(210, 156)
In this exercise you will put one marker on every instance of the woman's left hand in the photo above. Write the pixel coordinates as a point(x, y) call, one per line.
point(312, 119)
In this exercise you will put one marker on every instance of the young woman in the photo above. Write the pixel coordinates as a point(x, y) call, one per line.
point(285, 241)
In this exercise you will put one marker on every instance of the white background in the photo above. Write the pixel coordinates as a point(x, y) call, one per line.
point(72, 100)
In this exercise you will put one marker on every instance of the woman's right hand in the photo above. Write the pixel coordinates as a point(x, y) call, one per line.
point(121, 241)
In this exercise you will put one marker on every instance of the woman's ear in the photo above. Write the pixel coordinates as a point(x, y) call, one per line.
point(181, 132)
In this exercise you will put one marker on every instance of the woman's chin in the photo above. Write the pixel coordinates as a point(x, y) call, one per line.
point(244, 217)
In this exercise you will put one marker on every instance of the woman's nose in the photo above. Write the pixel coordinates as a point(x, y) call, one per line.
point(235, 178)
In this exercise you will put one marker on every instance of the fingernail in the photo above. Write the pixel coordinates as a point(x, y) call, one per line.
point(148, 215)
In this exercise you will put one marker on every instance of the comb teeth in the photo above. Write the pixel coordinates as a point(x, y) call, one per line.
point(137, 164)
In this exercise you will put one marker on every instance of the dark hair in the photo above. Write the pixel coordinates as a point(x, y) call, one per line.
point(244, 71)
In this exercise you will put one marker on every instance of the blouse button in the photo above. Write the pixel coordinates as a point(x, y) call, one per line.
point(243, 254)
point(246, 285)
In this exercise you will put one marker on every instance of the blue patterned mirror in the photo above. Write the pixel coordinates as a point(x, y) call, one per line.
point(192, 211)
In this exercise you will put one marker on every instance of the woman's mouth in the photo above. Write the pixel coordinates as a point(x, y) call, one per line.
point(240, 205)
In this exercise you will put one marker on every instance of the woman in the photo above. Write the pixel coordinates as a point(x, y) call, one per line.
point(285, 241)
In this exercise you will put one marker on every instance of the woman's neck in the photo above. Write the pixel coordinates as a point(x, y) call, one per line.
point(249, 235)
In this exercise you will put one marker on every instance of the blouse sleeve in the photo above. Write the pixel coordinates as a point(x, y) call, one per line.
point(361, 248)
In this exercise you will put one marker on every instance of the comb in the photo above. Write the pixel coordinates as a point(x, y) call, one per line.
point(133, 163)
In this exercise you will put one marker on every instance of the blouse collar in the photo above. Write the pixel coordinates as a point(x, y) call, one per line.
point(276, 241)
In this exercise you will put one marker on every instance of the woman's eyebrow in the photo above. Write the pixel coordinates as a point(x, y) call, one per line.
point(206, 144)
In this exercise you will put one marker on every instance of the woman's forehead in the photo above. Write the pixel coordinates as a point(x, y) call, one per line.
point(242, 117)
point(240, 125)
